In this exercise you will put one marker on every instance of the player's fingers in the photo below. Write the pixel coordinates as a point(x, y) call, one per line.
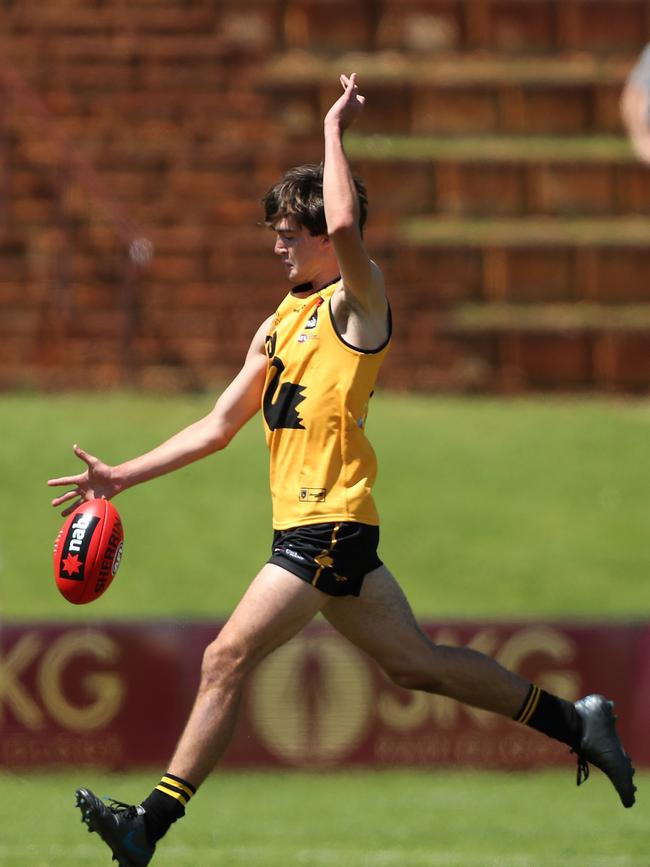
point(64, 498)
point(70, 509)
point(85, 456)
point(66, 480)
point(352, 89)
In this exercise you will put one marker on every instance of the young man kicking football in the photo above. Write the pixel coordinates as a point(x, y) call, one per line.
point(311, 370)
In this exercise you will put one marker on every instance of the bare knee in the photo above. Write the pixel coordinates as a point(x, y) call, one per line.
point(419, 669)
point(413, 677)
point(224, 663)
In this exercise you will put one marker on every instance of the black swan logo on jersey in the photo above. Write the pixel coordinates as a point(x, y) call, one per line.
point(75, 547)
point(280, 404)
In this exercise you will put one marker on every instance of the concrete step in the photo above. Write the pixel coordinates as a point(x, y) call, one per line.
point(632, 232)
point(451, 69)
point(445, 95)
point(443, 356)
point(491, 148)
point(500, 176)
point(552, 318)
point(517, 260)
point(511, 348)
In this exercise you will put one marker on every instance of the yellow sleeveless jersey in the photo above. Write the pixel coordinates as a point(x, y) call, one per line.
point(314, 406)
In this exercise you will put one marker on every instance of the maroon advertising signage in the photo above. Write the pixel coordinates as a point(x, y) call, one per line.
point(116, 695)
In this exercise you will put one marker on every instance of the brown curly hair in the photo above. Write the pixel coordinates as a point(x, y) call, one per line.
point(299, 194)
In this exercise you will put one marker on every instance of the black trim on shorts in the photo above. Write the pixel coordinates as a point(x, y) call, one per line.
point(334, 557)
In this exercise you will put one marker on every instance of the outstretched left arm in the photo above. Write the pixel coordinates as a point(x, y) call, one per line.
point(362, 279)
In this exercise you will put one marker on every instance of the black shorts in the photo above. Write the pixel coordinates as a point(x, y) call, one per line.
point(335, 557)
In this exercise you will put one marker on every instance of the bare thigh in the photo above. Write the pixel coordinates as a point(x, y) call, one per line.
point(380, 622)
point(275, 607)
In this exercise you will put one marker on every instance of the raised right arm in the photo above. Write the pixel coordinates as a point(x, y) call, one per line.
point(237, 404)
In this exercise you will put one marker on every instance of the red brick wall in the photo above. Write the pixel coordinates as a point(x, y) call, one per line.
point(167, 120)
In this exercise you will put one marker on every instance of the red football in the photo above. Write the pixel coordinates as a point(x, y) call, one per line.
point(87, 551)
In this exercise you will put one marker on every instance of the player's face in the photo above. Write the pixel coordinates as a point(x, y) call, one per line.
point(302, 254)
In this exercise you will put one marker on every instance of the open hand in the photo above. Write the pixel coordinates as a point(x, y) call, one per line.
point(93, 484)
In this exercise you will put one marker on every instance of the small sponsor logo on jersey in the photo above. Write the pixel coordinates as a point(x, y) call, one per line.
point(302, 338)
point(312, 495)
point(312, 322)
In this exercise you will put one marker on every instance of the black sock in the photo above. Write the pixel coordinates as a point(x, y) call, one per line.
point(553, 716)
point(165, 805)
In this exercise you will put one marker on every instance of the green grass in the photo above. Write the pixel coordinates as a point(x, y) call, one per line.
point(532, 508)
point(385, 819)
point(491, 509)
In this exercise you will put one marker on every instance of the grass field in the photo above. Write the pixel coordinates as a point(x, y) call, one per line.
point(489, 508)
point(393, 819)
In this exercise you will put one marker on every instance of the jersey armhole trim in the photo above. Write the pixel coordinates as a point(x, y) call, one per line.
point(380, 348)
